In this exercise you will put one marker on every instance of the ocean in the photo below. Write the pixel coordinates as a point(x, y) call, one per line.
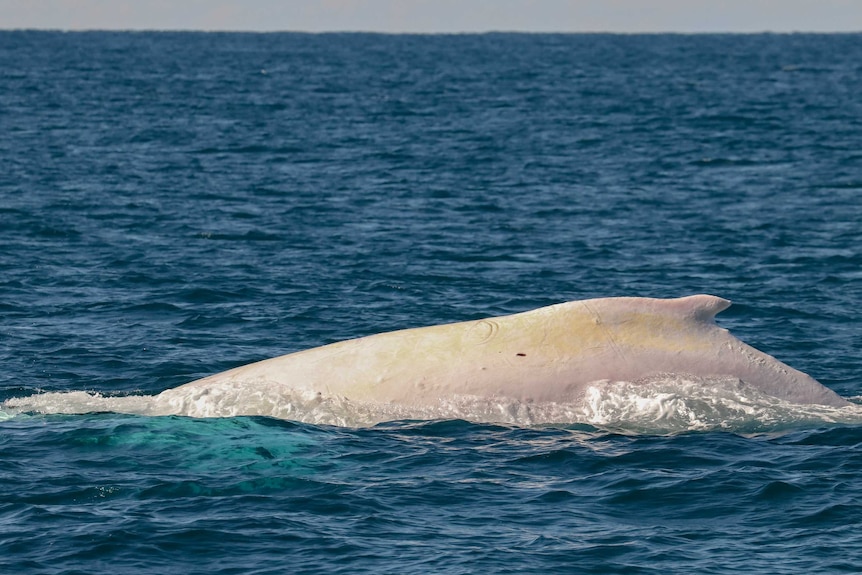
point(173, 205)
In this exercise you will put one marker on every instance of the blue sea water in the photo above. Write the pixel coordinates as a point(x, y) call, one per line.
point(176, 204)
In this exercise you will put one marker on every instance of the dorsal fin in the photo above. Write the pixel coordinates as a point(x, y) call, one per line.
point(702, 307)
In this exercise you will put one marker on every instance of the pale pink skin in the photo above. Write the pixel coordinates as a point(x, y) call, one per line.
point(551, 354)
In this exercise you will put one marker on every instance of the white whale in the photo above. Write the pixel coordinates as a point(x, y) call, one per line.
point(551, 354)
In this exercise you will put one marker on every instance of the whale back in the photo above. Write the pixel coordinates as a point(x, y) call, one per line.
point(549, 354)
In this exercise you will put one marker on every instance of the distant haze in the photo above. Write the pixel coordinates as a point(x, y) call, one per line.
point(429, 16)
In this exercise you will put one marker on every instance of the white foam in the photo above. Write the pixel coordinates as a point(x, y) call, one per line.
point(664, 404)
point(674, 403)
point(77, 402)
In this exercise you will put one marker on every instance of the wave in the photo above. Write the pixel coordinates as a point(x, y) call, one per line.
point(663, 404)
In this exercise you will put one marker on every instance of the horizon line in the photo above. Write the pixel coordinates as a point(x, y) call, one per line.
point(436, 33)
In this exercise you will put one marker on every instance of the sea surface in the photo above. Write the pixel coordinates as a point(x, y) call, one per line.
point(173, 205)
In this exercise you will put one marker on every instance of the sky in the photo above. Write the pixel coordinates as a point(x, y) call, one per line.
point(438, 16)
